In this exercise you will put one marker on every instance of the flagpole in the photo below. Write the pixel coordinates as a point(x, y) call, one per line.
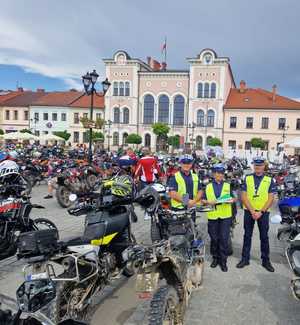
point(165, 50)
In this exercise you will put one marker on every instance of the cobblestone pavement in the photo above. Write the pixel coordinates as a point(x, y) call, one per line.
point(239, 297)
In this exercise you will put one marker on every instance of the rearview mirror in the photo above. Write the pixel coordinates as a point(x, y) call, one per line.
point(276, 219)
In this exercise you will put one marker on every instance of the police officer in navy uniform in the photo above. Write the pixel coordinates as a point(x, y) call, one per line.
point(184, 186)
point(257, 198)
point(220, 219)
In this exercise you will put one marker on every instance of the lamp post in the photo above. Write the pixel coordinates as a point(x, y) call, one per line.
point(89, 80)
point(108, 123)
point(284, 133)
point(192, 126)
point(35, 119)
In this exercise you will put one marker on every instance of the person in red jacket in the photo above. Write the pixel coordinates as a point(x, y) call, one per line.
point(147, 169)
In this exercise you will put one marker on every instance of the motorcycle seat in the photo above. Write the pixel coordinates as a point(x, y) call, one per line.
point(75, 241)
point(179, 242)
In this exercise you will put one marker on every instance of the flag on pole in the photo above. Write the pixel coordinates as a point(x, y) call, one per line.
point(164, 46)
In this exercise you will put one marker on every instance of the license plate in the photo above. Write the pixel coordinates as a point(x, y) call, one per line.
point(36, 276)
point(147, 282)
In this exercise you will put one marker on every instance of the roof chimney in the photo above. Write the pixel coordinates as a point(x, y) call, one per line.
point(242, 86)
point(20, 89)
point(274, 91)
point(148, 60)
point(40, 90)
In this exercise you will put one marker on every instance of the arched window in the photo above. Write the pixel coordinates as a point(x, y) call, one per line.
point(121, 88)
point(163, 109)
point(200, 118)
point(127, 88)
point(147, 140)
point(124, 139)
point(199, 142)
point(206, 90)
point(178, 113)
point(208, 138)
point(213, 88)
point(125, 115)
point(148, 109)
point(116, 89)
point(116, 115)
point(200, 90)
point(210, 118)
point(115, 139)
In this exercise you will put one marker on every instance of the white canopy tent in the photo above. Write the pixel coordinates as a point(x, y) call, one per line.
point(19, 136)
point(295, 143)
point(50, 137)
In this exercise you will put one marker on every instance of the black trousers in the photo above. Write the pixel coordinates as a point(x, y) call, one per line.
point(263, 226)
point(219, 232)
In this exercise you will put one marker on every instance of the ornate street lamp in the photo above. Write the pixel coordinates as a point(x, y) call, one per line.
point(89, 80)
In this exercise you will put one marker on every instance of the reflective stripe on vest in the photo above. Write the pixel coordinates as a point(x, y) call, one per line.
point(182, 189)
point(260, 198)
point(222, 211)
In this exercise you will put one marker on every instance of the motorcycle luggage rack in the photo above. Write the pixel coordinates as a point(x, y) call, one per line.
point(49, 268)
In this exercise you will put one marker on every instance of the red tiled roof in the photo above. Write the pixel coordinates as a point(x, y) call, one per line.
point(85, 101)
point(22, 98)
point(70, 98)
point(57, 98)
point(7, 96)
point(258, 98)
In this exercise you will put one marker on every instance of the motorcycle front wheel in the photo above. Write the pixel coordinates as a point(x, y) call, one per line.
point(165, 307)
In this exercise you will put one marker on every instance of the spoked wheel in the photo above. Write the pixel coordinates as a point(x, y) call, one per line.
point(62, 195)
point(165, 307)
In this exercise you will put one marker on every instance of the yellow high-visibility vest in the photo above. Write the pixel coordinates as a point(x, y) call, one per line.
point(182, 189)
point(259, 198)
point(222, 211)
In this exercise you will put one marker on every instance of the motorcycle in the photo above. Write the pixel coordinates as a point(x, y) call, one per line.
point(170, 269)
point(293, 257)
point(87, 263)
point(15, 209)
point(290, 217)
point(75, 180)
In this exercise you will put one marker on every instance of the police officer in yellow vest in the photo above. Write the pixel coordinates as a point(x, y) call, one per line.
point(184, 186)
point(220, 219)
point(257, 198)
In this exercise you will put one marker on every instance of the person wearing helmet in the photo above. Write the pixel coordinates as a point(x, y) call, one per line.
point(220, 219)
point(184, 186)
point(257, 198)
point(126, 164)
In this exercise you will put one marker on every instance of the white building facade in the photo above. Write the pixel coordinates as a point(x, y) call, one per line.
point(189, 101)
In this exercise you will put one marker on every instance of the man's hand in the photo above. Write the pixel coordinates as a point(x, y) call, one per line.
point(191, 203)
point(256, 215)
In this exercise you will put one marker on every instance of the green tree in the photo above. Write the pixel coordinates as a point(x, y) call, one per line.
point(63, 134)
point(161, 130)
point(174, 141)
point(25, 131)
point(214, 142)
point(1, 132)
point(134, 138)
point(258, 143)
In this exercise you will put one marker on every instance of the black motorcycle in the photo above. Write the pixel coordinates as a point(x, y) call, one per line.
point(15, 208)
point(87, 263)
point(293, 257)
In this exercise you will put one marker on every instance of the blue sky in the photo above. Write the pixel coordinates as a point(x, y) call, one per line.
point(50, 44)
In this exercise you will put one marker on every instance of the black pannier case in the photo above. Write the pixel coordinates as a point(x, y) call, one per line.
point(37, 243)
